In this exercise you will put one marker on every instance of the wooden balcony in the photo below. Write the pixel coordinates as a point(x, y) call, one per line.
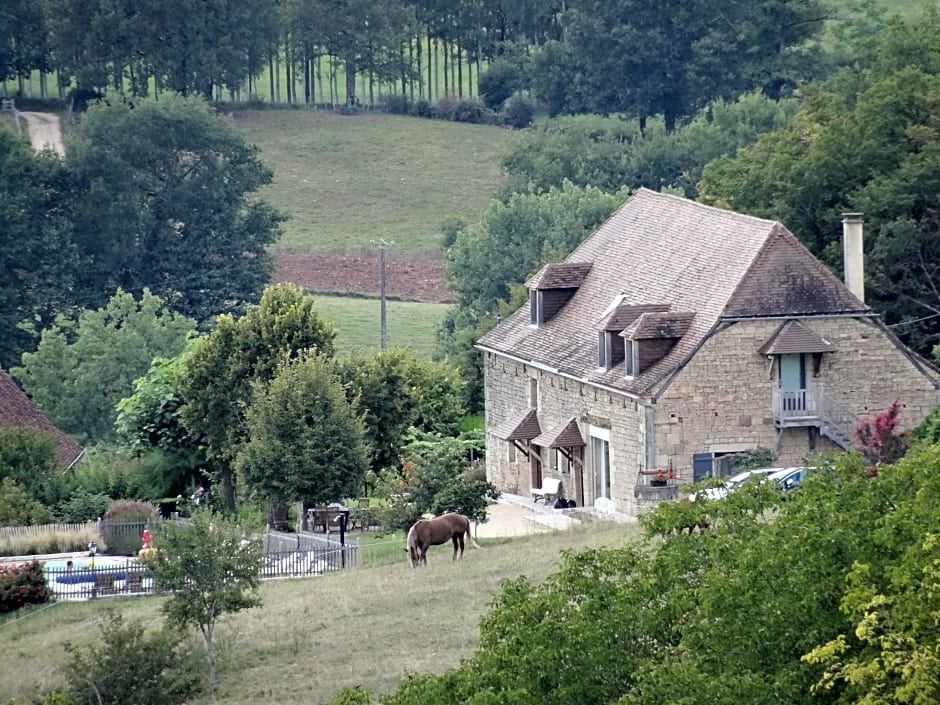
point(813, 407)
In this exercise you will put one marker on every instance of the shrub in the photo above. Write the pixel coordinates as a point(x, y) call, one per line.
point(22, 585)
point(470, 110)
point(422, 108)
point(123, 525)
point(501, 79)
point(518, 110)
point(129, 665)
point(83, 506)
point(397, 103)
point(18, 508)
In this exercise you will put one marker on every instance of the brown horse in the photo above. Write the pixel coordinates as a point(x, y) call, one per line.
point(433, 532)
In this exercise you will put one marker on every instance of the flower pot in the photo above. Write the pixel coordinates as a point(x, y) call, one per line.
point(657, 483)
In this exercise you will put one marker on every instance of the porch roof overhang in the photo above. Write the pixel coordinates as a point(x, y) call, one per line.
point(567, 435)
point(521, 427)
point(793, 337)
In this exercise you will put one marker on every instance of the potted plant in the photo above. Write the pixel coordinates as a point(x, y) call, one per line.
point(660, 478)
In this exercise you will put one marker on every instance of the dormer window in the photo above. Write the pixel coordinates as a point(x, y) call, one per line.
point(610, 349)
point(630, 357)
point(535, 307)
point(552, 288)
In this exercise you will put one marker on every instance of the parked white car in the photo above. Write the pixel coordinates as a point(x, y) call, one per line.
point(735, 481)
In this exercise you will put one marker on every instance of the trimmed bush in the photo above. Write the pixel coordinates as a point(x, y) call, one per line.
point(22, 585)
point(124, 523)
point(397, 103)
point(518, 110)
point(471, 110)
point(422, 108)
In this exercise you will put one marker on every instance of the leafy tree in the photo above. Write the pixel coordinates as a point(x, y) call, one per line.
point(864, 141)
point(394, 391)
point(28, 457)
point(83, 367)
point(305, 441)
point(37, 256)
point(669, 60)
point(210, 569)
point(217, 378)
point(611, 153)
point(130, 666)
point(150, 423)
point(167, 200)
point(18, 507)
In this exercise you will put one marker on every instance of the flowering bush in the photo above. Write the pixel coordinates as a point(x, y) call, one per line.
point(664, 475)
point(22, 584)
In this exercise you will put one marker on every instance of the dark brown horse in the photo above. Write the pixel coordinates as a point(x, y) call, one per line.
point(433, 532)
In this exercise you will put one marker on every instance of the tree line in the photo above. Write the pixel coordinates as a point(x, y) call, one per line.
point(653, 60)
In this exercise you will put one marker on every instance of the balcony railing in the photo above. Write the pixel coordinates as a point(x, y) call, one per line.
point(813, 407)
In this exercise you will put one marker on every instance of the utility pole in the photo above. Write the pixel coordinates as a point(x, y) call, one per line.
point(383, 245)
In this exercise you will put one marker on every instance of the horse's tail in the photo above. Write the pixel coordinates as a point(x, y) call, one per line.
point(470, 536)
point(411, 545)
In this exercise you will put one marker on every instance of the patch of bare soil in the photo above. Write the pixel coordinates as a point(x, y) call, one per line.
point(408, 279)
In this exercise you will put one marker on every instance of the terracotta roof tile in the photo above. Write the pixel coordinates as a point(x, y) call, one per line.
point(793, 337)
point(18, 411)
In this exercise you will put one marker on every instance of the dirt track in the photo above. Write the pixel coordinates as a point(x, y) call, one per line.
point(45, 130)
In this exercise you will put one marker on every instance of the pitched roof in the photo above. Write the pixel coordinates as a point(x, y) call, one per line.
point(793, 337)
point(560, 275)
point(659, 325)
point(524, 426)
point(567, 435)
point(624, 314)
point(658, 249)
point(18, 411)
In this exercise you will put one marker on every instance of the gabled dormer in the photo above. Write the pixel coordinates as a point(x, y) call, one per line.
point(611, 348)
point(552, 288)
point(650, 337)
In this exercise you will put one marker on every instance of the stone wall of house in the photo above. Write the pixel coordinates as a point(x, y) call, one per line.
point(721, 401)
point(560, 399)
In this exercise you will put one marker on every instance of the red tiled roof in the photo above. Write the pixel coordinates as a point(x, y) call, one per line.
point(18, 411)
point(658, 249)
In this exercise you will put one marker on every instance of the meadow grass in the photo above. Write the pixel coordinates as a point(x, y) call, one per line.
point(349, 180)
point(410, 325)
point(368, 626)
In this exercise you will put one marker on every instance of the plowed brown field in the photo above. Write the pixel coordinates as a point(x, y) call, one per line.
point(415, 279)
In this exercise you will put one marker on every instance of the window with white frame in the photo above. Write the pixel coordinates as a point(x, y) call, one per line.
point(534, 392)
point(630, 361)
point(535, 307)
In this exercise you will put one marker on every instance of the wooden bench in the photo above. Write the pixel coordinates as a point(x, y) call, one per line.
point(548, 492)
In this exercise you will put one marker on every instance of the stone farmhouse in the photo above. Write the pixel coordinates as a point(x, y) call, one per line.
point(675, 336)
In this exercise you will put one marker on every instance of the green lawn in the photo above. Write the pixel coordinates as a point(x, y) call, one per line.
point(346, 181)
point(410, 325)
point(314, 636)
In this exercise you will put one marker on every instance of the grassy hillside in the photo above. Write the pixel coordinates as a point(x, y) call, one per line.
point(368, 626)
point(410, 325)
point(348, 180)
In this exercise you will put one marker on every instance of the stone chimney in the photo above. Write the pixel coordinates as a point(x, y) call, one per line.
point(853, 254)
